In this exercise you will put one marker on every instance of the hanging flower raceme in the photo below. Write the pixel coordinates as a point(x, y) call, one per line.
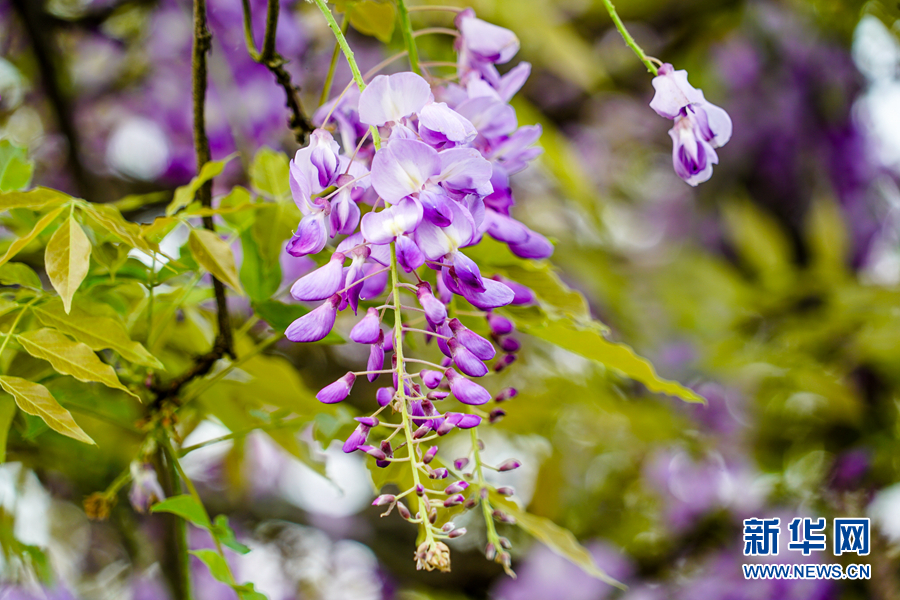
point(700, 126)
point(409, 207)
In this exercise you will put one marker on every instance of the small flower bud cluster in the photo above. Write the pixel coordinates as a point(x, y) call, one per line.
point(434, 181)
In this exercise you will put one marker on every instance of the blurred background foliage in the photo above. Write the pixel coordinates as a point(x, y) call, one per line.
point(772, 290)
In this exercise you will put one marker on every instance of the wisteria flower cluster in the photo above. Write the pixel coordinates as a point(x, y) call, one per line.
point(700, 126)
point(434, 183)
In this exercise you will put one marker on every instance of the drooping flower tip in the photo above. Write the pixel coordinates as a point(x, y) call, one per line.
point(321, 283)
point(700, 126)
point(467, 392)
point(367, 330)
point(337, 391)
point(509, 465)
point(316, 324)
point(467, 362)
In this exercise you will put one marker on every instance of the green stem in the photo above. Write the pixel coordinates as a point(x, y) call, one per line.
point(329, 78)
point(15, 323)
point(348, 54)
point(248, 31)
point(401, 389)
point(627, 37)
point(177, 535)
point(409, 38)
point(486, 507)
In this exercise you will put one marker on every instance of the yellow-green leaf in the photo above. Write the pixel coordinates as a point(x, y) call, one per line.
point(7, 412)
point(184, 195)
point(37, 400)
point(558, 539)
point(15, 168)
point(98, 333)
point(270, 175)
point(26, 239)
point(67, 259)
point(70, 358)
point(218, 568)
point(33, 199)
point(371, 17)
point(186, 507)
point(214, 255)
point(590, 343)
point(19, 274)
point(110, 218)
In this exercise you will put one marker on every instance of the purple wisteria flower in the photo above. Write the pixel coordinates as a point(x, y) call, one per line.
point(145, 488)
point(700, 126)
point(420, 175)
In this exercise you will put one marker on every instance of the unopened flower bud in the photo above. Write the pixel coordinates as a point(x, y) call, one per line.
point(509, 465)
point(432, 516)
point(505, 491)
point(506, 394)
point(373, 452)
point(384, 499)
point(448, 526)
point(504, 362)
point(440, 473)
point(505, 559)
point(503, 517)
point(499, 325)
point(496, 415)
point(368, 329)
point(490, 551)
point(457, 533)
point(460, 463)
point(455, 488)
point(384, 395)
point(471, 502)
point(454, 500)
point(337, 391)
point(476, 344)
point(367, 421)
point(431, 378)
point(435, 311)
point(509, 344)
point(429, 455)
point(404, 512)
point(504, 543)
point(421, 431)
point(420, 489)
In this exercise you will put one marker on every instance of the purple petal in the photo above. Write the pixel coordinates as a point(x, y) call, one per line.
point(316, 324)
point(376, 358)
point(337, 391)
point(430, 378)
point(467, 392)
point(467, 272)
point(437, 206)
point(504, 228)
point(523, 295)
point(356, 439)
point(311, 236)
point(499, 324)
point(495, 295)
point(384, 395)
point(373, 286)
point(467, 362)
point(487, 41)
point(321, 283)
point(440, 126)
point(368, 329)
point(673, 92)
point(513, 81)
point(435, 311)
point(479, 346)
point(390, 98)
point(402, 168)
point(409, 256)
point(536, 246)
point(465, 170)
point(383, 226)
point(344, 213)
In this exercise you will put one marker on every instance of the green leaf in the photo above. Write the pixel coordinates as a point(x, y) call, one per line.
point(214, 255)
point(34, 199)
point(98, 333)
point(67, 259)
point(185, 507)
point(761, 243)
point(37, 400)
point(371, 17)
point(233, 208)
point(270, 174)
point(70, 358)
point(247, 591)
point(15, 168)
point(559, 540)
point(7, 412)
point(280, 315)
point(827, 237)
point(7, 305)
point(109, 218)
point(26, 239)
point(184, 195)
point(20, 274)
point(590, 343)
point(225, 534)
point(218, 568)
point(160, 227)
point(261, 278)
